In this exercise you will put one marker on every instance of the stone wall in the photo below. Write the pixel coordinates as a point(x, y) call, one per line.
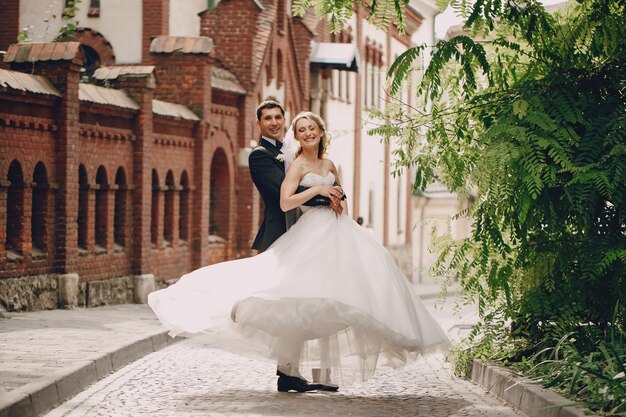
point(38, 292)
point(104, 292)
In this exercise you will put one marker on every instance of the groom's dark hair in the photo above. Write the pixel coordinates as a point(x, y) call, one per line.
point(268, 104)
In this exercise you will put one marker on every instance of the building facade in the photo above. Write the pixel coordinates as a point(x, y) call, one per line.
point(123, 153)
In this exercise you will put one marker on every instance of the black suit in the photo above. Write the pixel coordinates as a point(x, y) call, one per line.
point(268, 173)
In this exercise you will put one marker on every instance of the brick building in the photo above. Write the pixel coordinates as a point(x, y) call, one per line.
point(123, 154)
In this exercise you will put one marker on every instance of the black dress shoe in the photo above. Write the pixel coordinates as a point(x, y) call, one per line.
point(329, 387)
point(288, 383)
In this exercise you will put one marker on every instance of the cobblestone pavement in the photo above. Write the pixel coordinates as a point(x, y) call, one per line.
point(193, 378)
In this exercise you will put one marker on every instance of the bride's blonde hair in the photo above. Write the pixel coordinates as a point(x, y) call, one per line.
point(313, 118)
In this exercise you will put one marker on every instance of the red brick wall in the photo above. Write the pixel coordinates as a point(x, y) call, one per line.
point(9, 23)
point(142, 92)
point(107, 139)
point(172, 149)
point(244, 220)
point(65, 76)
point(156, 17)
point(89, 135)
point(102, 145)
point(302, 53)
point(168, 263)
point(27, 140)
point(184, 79)
point(232, 26)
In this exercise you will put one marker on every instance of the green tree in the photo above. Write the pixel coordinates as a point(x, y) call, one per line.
point(527, 114)
point(532, 121)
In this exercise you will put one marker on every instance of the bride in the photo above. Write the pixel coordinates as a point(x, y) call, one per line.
point(324, 296)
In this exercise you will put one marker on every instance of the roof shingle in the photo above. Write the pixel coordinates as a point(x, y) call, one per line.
point(177, 111)
point(108, 96)
point(27, 82)
point(224, 80)
point(33, 52)
point(188, 45)
point(111, 73)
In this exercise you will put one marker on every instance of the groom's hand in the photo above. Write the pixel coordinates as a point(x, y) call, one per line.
point(318, 200)
point(336, 206)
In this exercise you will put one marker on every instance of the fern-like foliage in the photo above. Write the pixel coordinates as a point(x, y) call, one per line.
point(530, 120)
point(526, 116)
point(337, 13)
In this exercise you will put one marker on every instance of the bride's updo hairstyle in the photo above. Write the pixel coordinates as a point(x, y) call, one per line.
point(313, 118)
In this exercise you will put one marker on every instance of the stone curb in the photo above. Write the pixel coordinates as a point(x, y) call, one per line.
point(35, 398)
point(530, 398)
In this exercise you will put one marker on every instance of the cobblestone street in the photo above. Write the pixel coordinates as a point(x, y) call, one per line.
point(193, 378)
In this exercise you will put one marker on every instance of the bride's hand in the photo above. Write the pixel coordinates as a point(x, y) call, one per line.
point(330, 191)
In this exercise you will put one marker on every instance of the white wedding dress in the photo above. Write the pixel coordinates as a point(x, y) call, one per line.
point(325, 295)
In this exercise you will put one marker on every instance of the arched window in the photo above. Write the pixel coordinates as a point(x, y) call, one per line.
point(102, 208)
point(92, 61)
point(168, 210)
point(119, 216)
point(39, 214)
point(83, 206)
point(154, 222)
point(183, 211)
point(97, 50)
point(15, 207)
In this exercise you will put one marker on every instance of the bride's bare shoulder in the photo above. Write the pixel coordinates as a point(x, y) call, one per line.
point(296, 168)
point(329, 165)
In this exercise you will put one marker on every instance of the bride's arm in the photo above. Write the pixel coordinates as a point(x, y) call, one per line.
point(289, 199)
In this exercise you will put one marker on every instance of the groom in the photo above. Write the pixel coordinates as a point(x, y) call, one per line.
point(267, 170)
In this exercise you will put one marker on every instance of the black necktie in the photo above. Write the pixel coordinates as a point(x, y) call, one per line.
point(279, 145)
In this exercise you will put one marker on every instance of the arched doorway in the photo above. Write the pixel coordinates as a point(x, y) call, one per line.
point(168, 210)
point(15, 208)
point(219, 207)
point(120, 204)
point(39, 210)
point(154, 220)
point(83, 208)
point(97, 50)
point(102, 210)
point(184, 208)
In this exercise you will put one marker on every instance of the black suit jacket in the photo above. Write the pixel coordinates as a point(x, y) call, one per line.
point(268, 173)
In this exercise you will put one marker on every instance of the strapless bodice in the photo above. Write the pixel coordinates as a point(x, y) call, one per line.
point(311, 179)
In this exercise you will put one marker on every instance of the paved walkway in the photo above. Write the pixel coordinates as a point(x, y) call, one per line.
point(192, 379)
point(48, 357)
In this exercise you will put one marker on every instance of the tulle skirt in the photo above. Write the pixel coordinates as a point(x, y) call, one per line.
point(326, 295)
